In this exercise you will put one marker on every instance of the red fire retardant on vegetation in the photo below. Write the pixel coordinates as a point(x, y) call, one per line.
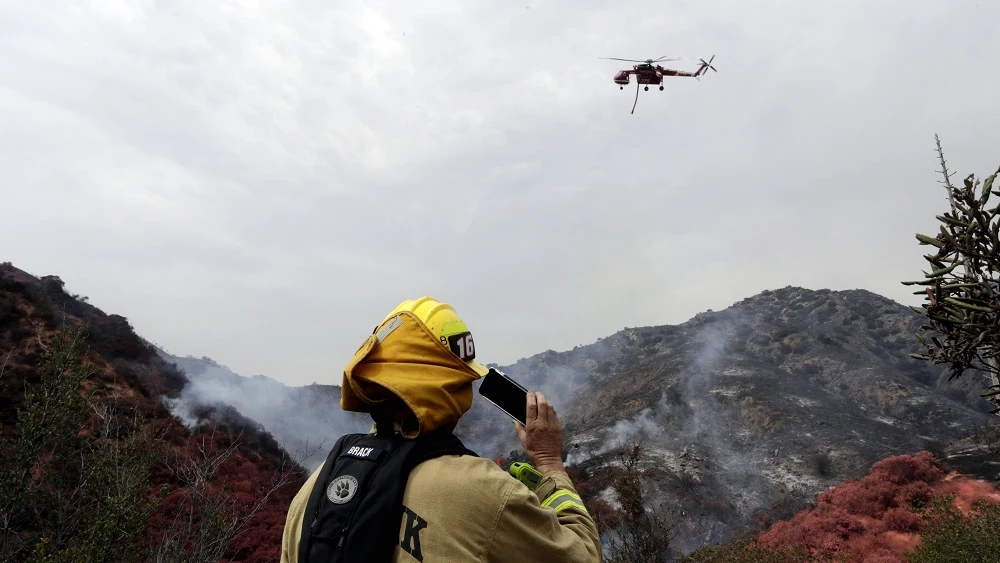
point(876, 519)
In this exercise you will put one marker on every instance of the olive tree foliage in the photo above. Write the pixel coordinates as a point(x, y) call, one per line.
point(962, 288)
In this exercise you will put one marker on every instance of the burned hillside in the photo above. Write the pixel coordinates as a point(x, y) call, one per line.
point(749, 412)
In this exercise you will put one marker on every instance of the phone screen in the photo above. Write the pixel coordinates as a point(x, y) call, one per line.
point(506, 394)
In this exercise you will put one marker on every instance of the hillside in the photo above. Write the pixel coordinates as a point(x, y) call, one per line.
point(751, 411)
point(84, 419)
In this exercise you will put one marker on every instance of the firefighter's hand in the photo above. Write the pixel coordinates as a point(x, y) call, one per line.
point(542, 436)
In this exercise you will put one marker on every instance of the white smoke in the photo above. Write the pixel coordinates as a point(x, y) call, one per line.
point(307, 422)
point(640, 427)
point(304, 421)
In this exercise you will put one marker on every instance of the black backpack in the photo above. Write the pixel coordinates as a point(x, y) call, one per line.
point(356, 507)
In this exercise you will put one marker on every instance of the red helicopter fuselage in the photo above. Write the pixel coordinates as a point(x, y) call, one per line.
point(649, 74)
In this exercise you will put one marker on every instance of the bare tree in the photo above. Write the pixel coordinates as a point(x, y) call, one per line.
point(209, 520)
point(640, 534)
point(6, 360)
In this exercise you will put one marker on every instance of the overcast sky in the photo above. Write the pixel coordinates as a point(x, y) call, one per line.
point(261, 182)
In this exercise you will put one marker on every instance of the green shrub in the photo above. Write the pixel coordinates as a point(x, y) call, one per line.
point(743, 551)
point(67, 495)
point(949, 536)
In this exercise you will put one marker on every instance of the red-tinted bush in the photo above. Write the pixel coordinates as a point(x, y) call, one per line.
point(875, 519)
point(903, 469)
point(900, 519)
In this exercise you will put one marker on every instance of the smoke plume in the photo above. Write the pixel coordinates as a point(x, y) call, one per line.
point(306, 421)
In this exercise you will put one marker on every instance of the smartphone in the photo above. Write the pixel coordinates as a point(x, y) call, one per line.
point(507, 394)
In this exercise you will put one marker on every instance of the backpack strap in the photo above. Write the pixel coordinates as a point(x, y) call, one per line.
point(312, 508)
point(374, 531)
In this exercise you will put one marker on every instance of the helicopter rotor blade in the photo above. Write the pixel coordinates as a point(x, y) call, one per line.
point(659, 60)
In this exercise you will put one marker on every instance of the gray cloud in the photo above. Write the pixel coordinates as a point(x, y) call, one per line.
point(262, 183)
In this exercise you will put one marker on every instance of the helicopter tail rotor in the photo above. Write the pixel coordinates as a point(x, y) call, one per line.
point(706, 65)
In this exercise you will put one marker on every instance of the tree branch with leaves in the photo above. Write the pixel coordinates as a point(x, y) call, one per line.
point(962, 288)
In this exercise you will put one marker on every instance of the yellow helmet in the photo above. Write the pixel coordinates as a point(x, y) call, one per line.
point(445, 324)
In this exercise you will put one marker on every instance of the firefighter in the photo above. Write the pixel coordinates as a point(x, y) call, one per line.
point(414, 375)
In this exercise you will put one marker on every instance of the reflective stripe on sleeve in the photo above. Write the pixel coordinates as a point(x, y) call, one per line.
point(562, 499)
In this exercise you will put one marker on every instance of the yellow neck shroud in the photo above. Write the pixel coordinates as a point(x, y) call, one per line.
point(404, 362)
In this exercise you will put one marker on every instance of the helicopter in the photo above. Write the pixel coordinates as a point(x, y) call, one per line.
point(647, 72)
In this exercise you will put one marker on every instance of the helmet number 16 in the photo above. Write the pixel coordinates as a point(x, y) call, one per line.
point(463, 346)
